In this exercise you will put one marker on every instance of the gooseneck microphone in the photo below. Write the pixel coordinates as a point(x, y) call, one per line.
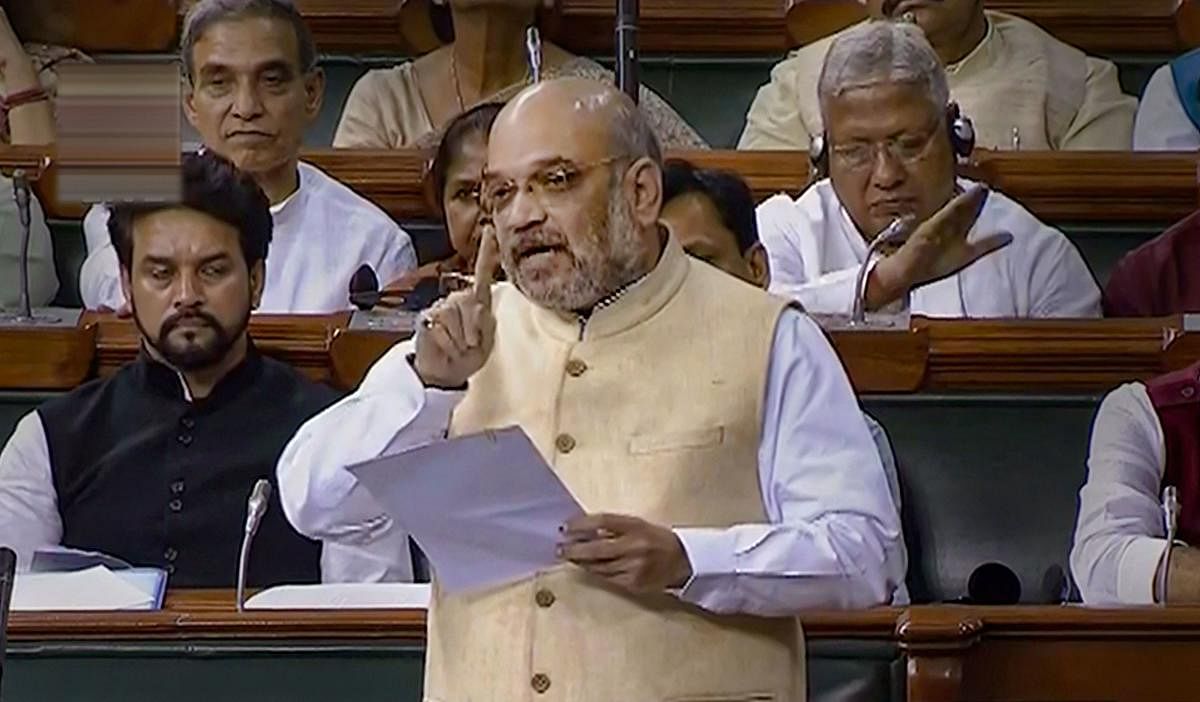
point(8, 569)
point(627, 48)
point(533, 53)
point(256, 507)
point(898, 230)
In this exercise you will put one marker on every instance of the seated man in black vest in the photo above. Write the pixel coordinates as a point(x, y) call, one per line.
point(154, 464)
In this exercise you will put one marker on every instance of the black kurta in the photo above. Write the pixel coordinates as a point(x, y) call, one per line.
point(146, 475)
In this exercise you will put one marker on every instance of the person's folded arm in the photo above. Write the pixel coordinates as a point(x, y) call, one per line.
point(833, 534)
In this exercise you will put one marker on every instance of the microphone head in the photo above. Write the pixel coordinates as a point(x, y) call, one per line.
point(994, 584)
point(364, 287)
point(256, 506)
point(533, 51)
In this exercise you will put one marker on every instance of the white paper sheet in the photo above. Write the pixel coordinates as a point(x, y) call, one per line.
point(92, 589)
point(485, 508)
point(343, 596)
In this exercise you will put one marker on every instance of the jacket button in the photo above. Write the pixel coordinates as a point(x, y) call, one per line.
point(544, 598)
point(1188, 392)
point(170, 569)
point(185, 439)
point(565, 443)
point(170, 554)
point(175, 505)
point(540, 682)
point(177, 487)
point(187, 423)
point(576, 367)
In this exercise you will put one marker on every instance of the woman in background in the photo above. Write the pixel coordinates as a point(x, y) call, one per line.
point(407, 105)
point(455, 179)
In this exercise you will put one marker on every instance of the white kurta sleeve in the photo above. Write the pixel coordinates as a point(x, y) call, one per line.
point(1060, 282)
point(29, 517)
point(100, 277)
point(400, 256)
point(389, 412)
point(782, 231)
point(833, 538)
point(1162, 124)
point(1120, 535)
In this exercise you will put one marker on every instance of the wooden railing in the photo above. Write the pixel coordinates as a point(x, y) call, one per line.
point(954, 653)
point(1055, 186)
point(1112, 26)
point(1001, 355)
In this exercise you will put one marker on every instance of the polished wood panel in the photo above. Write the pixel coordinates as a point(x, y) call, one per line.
point(674, 26)
point(939, 354)
point(299, 340)
point(1050, 654)
point(1112, 26)
point(1055, 186)
point(45, 358)
point(953, 653)
point(393, 27)
point(933, 355)
point(211, 614)
point(94, 25)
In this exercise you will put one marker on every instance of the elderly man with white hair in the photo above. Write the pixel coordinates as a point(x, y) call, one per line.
point(1027, 89)
point(889, 153)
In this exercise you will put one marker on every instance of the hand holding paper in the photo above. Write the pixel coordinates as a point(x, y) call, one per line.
point(627, 551)
point(485, 508)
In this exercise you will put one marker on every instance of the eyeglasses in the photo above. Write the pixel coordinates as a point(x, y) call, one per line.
point(906, 148)
point(549, 185)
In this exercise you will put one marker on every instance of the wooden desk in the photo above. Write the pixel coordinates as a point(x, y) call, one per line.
point(1057, 186)
point(1050, 654)
point(933, 355)
point(967, 654)
point(1112, 26)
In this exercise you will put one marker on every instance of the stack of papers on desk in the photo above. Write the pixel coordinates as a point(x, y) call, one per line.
point(343, 596)
point(93, 589)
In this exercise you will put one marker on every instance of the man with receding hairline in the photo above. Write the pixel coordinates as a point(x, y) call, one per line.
point(891, 148)
point(253, 86)
point(706, 427)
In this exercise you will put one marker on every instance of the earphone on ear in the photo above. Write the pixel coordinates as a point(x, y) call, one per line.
point(961, 133)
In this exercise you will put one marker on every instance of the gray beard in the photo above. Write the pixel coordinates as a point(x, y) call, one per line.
point(597, 273)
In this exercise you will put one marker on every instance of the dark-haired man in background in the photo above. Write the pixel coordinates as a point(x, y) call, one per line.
point(154, 464)
point(711, 213)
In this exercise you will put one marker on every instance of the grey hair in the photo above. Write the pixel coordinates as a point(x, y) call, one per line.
point(632, 135)
point(880, 52)
point(206, 13)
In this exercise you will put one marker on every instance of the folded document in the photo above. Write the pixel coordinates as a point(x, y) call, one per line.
point(93, 589)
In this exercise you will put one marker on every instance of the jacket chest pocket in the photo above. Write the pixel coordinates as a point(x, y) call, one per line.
point(693, 439)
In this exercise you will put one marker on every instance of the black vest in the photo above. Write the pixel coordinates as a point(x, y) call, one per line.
point(146, 475)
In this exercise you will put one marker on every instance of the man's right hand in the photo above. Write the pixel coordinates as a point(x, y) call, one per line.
point(456, 335)
point(937, 249)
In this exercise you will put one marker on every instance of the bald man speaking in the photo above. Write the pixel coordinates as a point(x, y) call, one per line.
point(706, 427)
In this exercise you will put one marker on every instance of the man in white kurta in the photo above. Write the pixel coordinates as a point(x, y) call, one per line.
point(1025, 88)
point(891, 157)
point(705, 426)
point(253, 89)
point(816, 250)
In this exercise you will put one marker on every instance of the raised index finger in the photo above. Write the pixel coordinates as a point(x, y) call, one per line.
point(485, 265)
